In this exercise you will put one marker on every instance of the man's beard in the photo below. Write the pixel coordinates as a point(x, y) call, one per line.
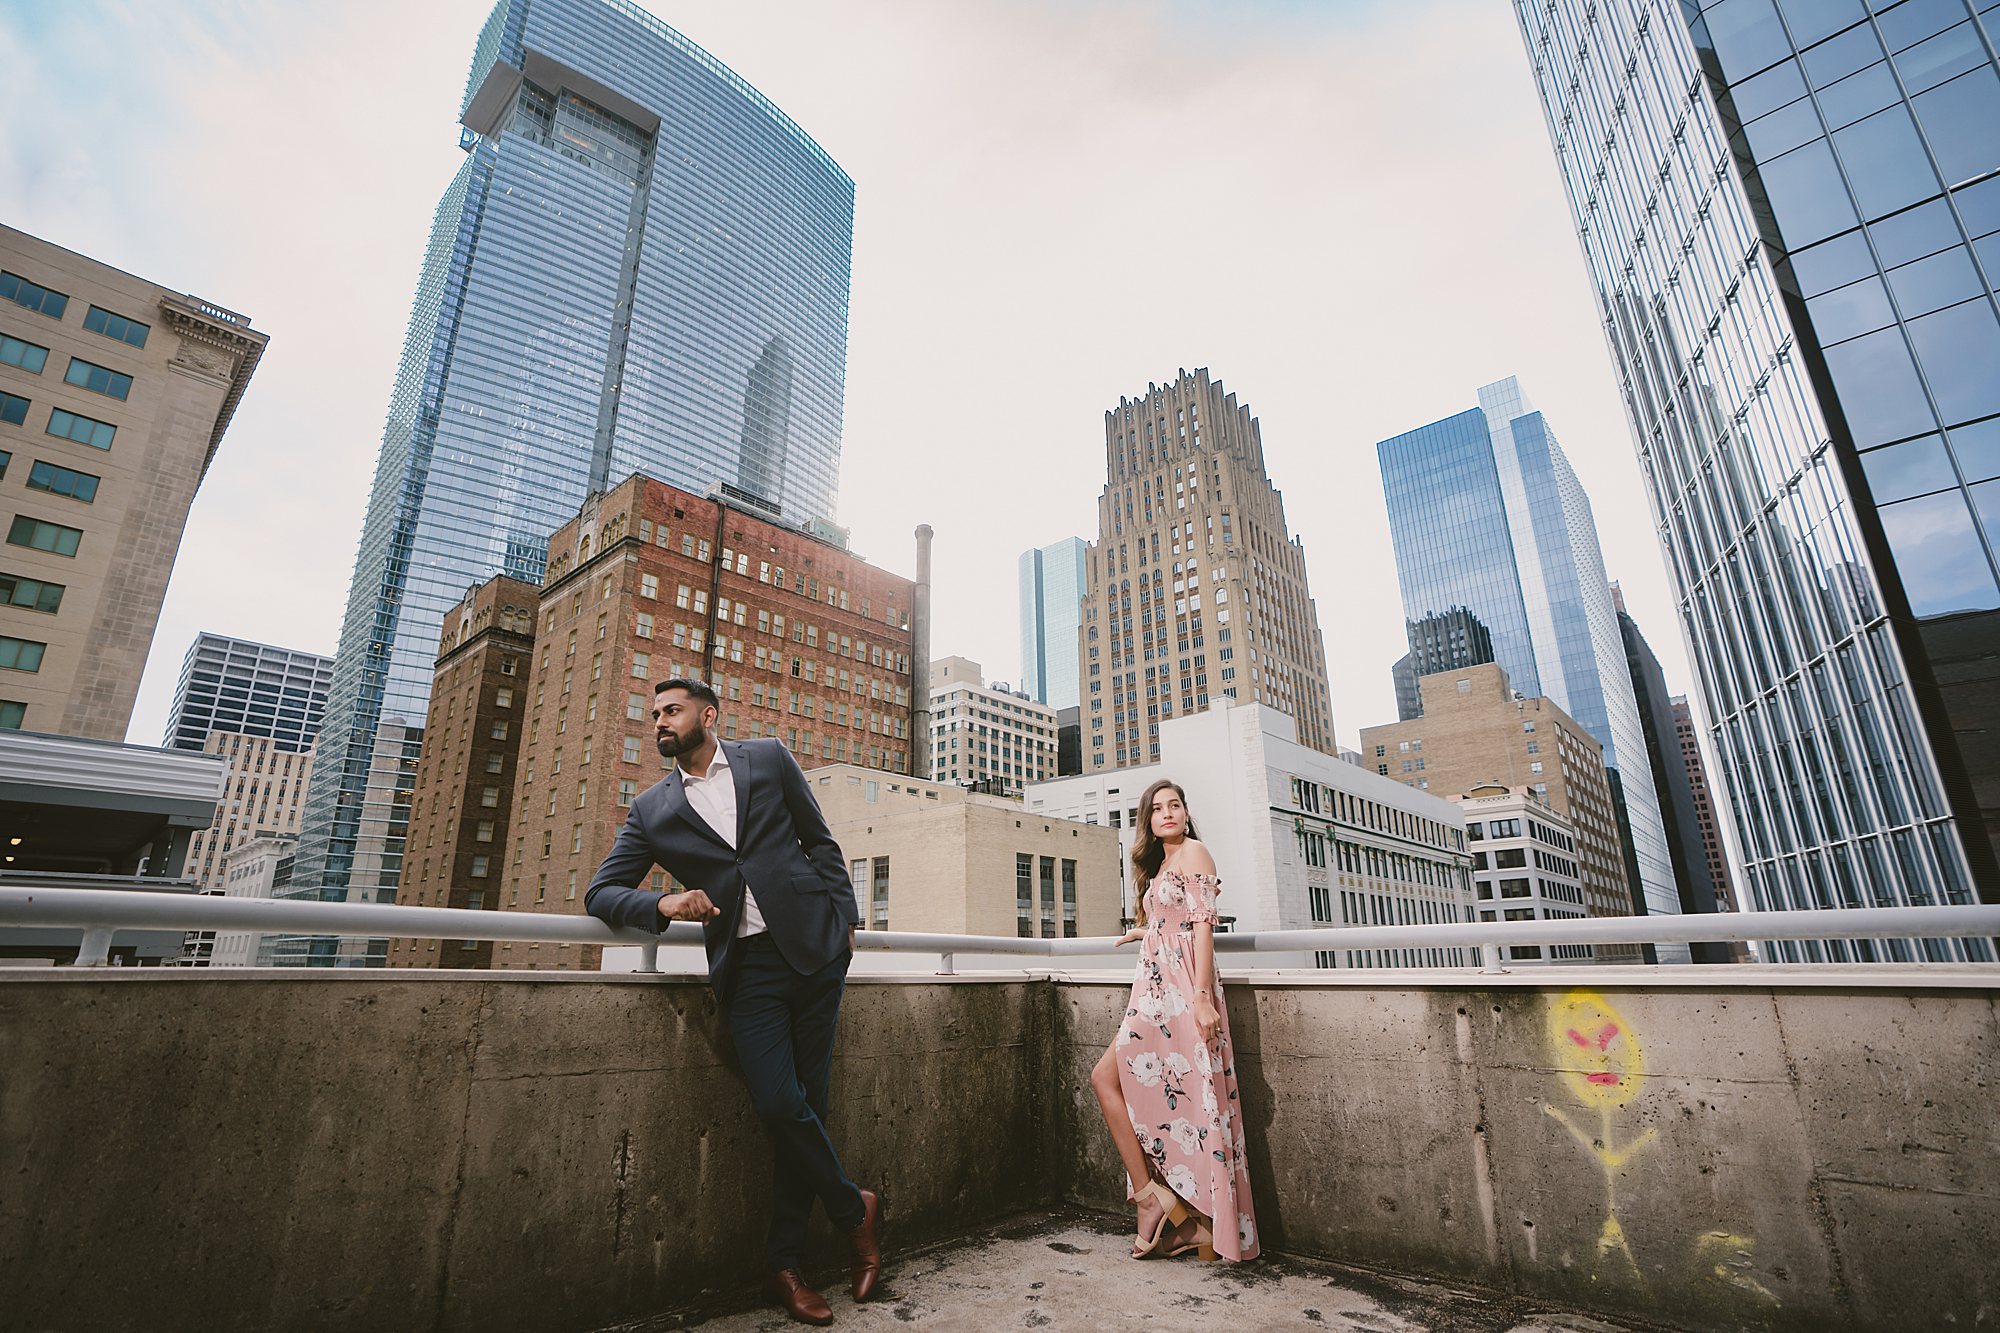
point(672, 745)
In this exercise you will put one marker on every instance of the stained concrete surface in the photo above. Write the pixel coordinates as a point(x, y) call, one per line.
point(1070, 1269)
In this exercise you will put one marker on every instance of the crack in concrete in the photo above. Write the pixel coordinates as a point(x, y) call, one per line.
point(448, 1233)
point(1822, 1210)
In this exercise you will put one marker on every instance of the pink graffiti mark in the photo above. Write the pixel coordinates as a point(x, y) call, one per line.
point(1604, 1038)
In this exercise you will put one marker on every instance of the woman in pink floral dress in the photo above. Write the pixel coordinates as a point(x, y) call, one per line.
point(1167, 1085)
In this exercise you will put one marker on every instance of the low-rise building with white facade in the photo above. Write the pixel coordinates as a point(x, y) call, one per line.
point(1300, 838)
point(987, 737)
point(248, 871)
point(1524, 866)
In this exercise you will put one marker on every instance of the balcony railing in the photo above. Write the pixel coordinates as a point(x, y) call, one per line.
point(101, 913)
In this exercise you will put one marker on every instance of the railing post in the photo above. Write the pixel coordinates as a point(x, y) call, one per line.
point(1489, 958)
point(95, 951)
point(649, 958)
point(945, 964)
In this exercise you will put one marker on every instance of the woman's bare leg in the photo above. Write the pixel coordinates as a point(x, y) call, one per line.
point(1118, 1119)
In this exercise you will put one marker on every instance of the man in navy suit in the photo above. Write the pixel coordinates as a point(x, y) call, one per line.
point(736, 821)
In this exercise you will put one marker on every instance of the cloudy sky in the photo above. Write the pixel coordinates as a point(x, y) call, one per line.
point(1347, 211)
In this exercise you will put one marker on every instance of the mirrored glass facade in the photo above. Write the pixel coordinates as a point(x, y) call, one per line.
point(1053, 581)
point(642, 266)
point(1791, 216)
point(1487, 516)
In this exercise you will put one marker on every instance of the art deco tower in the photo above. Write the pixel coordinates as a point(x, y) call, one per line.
point(1196, 589)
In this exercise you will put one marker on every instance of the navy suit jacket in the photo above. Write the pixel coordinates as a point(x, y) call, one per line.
point(783, 851)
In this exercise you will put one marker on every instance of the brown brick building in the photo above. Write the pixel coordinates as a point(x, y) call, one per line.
point(1476, 730)
point(802, 641)
point(462, 803)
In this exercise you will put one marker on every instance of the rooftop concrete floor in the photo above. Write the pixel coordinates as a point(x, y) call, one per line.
point(1071, 1269)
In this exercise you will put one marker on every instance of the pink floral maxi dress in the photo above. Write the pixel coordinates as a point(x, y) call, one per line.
point(1180, 1090)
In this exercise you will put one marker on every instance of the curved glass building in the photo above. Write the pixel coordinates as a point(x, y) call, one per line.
point(1791, 214)
point(642, 266)
point(1487, 516)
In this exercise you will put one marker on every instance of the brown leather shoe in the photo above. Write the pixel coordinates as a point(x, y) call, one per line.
point(866, 1240)
point(789, 1291)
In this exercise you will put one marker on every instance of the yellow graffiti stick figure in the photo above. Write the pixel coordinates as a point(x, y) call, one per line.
point(1599, 1059)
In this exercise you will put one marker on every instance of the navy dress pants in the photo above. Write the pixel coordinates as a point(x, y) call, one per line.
point(782, 1022)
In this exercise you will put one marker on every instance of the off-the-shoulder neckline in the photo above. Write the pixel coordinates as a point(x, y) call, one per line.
point(1190, 874)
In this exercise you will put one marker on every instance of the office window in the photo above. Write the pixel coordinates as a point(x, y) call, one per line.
point(13, 713)
point(21, 654)
point(84, 430)
point(100, 320)
point(880, 896)
point(33, 594)
point(98, 379)
point(32, 296)
point(27, 356)
point(63, 481)
point(13, 409)
point(39, 536)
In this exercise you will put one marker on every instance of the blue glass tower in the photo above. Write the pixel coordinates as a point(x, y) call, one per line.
point(1790, 210)
point(1053, 581)
point(1486, 514)
point(642, 266)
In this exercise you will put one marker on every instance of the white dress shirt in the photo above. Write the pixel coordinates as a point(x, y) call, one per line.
point(713, 797)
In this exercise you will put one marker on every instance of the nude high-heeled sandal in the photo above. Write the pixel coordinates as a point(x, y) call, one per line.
point(1172, 1213)
point(1203, 1240)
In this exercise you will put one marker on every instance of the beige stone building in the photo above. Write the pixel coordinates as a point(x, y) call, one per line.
point(114, 395)
point(930, 857)
point(1476, 731)
point(987, 737)
point(1197, 590)
point(267, 789)
point(462, 804)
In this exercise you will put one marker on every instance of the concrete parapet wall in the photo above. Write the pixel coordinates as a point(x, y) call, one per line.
point(1712, 1158)
point(446, 1151)
point(443, 1151)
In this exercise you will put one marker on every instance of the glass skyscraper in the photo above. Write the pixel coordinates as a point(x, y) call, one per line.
point(1486, 515)
point(1791, 214)
point(1053, 581)
point(642, 266)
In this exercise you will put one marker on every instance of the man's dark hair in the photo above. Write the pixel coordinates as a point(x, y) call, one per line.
point(695, 689)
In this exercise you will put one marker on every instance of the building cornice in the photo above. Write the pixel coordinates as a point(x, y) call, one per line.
point(215, 342)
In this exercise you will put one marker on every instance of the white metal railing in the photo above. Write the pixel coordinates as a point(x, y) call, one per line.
point(99, 913)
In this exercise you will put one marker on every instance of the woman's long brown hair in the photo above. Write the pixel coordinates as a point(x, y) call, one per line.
point(1147, 849)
